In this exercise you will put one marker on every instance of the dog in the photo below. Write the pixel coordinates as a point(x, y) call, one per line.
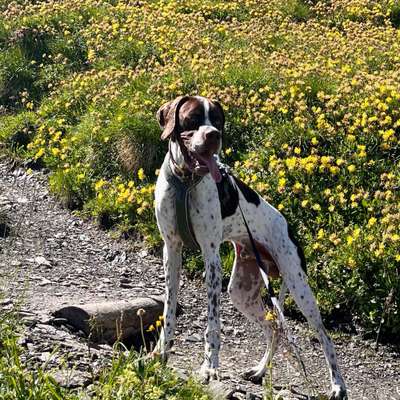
point(194, 126)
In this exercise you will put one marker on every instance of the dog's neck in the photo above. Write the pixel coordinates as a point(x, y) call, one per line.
point(177, 160)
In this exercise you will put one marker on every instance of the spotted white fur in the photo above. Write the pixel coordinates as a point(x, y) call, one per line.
point(270, 229)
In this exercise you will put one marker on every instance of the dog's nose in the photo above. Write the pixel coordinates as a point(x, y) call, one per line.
point(213, 135)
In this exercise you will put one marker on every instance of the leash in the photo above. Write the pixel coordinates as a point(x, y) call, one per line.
point(272, 302)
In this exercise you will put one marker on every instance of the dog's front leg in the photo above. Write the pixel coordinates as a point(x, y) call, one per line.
point(209, 369)
point(172, 260)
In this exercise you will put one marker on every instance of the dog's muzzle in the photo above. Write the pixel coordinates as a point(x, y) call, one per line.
point(202, 147)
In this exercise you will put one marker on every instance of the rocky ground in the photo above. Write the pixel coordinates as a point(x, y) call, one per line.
point(50, 258)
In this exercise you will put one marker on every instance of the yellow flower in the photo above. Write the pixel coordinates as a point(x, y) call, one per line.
point(351, 138)
point(340, 161)
point(351, 263)
point(158, 323)
point(351, 168)
point(316, 246)
point(316, 207)
point(386, 135)
point(39, 153)
point(270, 316)
point(291, 162)
point(99, 184)
point(297, 187)
point(371, 222)
point(325, 160)
point(141, 174)
point(151, 328)
point(334, 170)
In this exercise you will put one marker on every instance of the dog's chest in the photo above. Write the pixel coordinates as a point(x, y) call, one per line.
point(214, 210)
point(205, 211)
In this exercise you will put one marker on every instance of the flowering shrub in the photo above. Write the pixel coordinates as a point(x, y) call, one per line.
point(311, 90)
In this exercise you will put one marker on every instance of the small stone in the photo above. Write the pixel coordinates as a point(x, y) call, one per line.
point(252, 396)
point(29, 321)
point(46, 357)
point(126, 285)
point(40, 260)
point(181, 373)
point(220, 390)
point(142, 253)
point(194, 338)
point(44, 282)
point(5, 302)
point(71, 379)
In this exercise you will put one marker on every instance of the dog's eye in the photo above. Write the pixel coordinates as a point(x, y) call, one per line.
point(191, 123)
point(217, 122)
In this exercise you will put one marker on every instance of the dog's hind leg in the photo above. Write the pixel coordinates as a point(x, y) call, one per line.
point(294, 277)
point(172, 260)
point(244, 290)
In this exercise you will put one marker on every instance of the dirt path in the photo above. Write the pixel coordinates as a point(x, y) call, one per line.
point(52, 258)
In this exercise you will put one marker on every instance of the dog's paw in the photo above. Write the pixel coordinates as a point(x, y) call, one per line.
point(253, 375)
point(338, 393)
point(208, 374)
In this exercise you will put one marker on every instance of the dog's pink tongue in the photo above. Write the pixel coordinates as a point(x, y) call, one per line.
point(212, 166)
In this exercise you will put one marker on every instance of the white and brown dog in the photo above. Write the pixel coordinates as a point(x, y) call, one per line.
point(194, 127)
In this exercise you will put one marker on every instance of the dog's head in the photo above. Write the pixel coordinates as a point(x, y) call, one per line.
point(195, 124)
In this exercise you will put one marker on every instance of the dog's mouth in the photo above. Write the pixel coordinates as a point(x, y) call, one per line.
point(204, 164)
point(201, 159)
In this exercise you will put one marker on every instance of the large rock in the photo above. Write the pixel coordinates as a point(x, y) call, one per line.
point(108, 322)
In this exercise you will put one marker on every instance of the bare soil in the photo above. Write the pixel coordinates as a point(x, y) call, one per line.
point(50, 258)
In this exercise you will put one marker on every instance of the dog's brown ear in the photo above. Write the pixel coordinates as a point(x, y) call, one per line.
point(221, 112)
point(168, 117)
point(162, 112)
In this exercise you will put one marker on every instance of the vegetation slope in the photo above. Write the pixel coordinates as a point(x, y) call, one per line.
point(311, 91)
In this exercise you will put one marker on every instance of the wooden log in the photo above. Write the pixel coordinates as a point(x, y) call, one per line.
point(108, 322)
